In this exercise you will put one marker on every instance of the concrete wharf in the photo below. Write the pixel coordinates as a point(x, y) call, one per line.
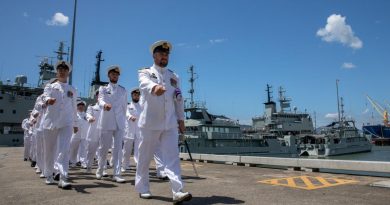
point(218, 183)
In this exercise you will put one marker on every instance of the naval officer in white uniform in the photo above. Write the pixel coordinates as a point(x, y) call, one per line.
point(161, 118)
point(130, 139)
point(113, 101)
point(59, 122)
point(93, 134)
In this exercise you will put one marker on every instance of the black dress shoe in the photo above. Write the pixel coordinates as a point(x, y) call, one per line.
point(163, 178)
point(56, 176)
point(33, 163)
point(25, 159)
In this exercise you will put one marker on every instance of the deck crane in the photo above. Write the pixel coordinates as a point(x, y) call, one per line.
point(383, 112)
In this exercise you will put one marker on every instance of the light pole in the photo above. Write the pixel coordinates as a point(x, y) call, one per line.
point(72, 45)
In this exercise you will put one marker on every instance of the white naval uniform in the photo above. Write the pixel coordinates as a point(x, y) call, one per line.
point(158, 124)
point(39, 108)
point(58, 122)
point(112, 124)
point(27, 137)
point(77, 142)
point(93, 134)
point(133, 110)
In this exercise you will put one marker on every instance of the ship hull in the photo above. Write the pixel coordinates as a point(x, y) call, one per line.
point(377, 131)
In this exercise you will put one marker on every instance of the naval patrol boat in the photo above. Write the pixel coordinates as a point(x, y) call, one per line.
point(339, 137)
point(217, 134)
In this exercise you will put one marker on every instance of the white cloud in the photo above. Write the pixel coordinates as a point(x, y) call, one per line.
point(25, 14)
point(348, 65)
point(331, 115)
point(336, 30)
point(59, 19)
point(219, 40)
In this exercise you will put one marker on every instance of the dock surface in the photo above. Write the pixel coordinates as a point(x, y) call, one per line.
point(216, 184)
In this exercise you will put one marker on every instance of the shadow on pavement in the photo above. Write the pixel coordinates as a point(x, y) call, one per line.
point(214, 200)
point(81, 188)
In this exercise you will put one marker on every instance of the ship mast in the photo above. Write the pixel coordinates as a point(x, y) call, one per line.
point(338, 103)
point(99, 59)
point(284, 101)
point(192, 81)
point(96, 82)
point(268, 93)
point(60, 52)
point(342, 108)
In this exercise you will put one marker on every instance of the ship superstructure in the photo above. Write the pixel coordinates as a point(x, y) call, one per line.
point(282, 122)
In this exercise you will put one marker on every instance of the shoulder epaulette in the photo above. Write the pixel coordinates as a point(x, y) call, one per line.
point(54, 80)
point(121, 86)
point(171, 71)
point(144, 68)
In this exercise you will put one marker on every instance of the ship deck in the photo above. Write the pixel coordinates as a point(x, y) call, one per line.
point(216, 184)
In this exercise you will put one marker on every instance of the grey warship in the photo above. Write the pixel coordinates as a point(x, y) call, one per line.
point(17, 98)
point(217, 134)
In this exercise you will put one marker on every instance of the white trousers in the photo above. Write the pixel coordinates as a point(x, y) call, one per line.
point(168, 140)
point(160, 167)
point(40, 150)
point(57, 141)
point(127, 149)
point(106, 139)
point(82, 153)
point(27, 146)
point(74, 148)
point(33, 147)
point(92, 147)
point(137, 140)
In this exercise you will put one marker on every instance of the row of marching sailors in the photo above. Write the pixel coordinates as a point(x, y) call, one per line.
point(84, 143)
point(160, 116)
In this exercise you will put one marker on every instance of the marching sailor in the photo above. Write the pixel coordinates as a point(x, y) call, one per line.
point(93, 134)
point(59, 122)
point(132, 114)
point(161, 118)
point(77, 142)
point(113, 102)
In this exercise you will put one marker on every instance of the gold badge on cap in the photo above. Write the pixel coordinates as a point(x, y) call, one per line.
point(165, 45)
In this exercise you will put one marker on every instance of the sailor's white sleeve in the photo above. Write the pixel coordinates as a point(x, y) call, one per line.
point(74, 105)
point(46, 93)
point(101, 97)
point(124, 108)
point(145, 83)
point(89, 113)
point(179, 104)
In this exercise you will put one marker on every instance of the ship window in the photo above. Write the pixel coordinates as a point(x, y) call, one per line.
point(1, 111)
point(13, 111)
point(1, 97)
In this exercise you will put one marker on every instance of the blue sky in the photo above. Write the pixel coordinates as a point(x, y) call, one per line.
point(237, 47)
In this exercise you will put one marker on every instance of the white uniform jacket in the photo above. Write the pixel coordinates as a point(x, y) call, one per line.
point(159, 112)
point(93, 111)
point(26, 127)
point(133, 110)
point(115, 95)
point(39, 108)
point(82, 124)
point(63, 112)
